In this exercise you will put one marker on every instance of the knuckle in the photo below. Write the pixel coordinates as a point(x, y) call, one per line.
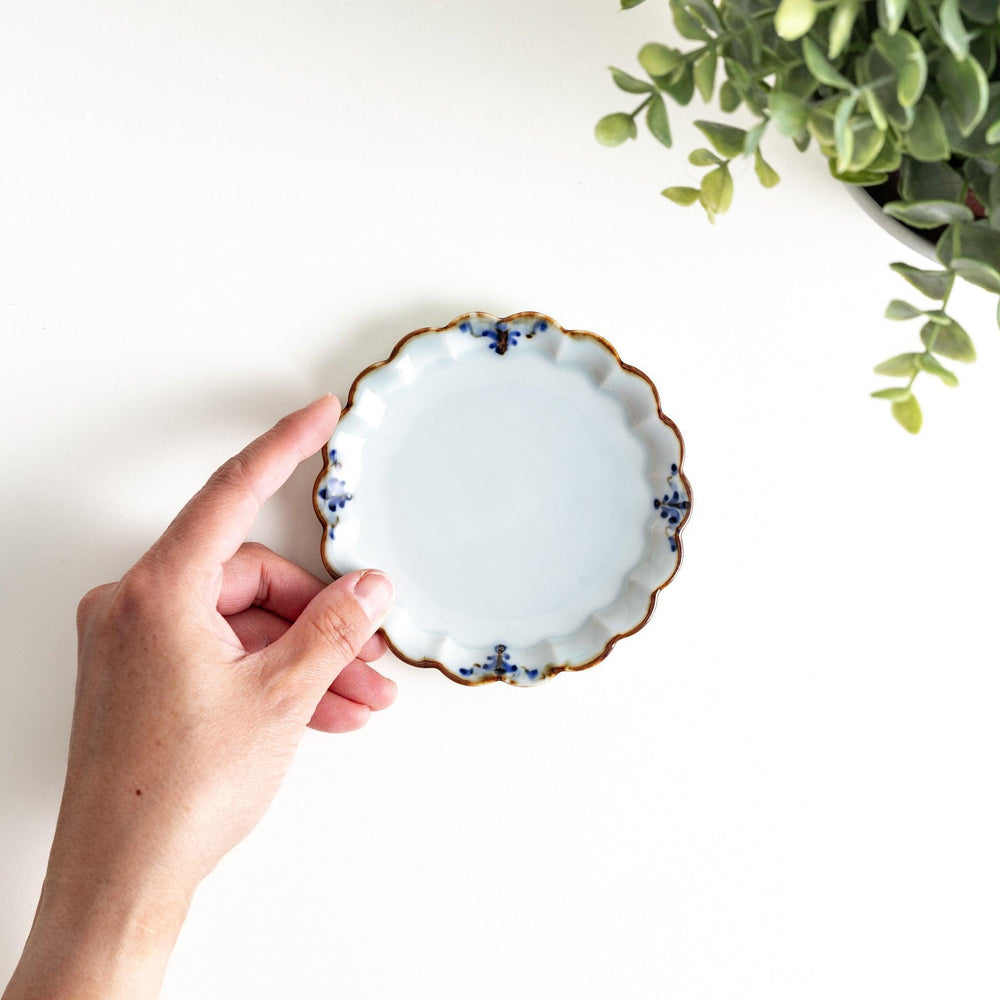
point(341, 633)
point(90, 602)
point(137, 593)
point(235, 475)
point(254, 550)
point(231, 474)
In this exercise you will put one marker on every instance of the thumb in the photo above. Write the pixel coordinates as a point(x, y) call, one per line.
point(330, 631)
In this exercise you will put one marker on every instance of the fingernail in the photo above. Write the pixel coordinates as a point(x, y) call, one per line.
point(373, 591)
point(322, 399)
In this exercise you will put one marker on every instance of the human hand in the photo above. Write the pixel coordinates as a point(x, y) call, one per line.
point(198, 674)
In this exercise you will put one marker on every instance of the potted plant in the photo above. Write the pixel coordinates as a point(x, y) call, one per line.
point(901, 96)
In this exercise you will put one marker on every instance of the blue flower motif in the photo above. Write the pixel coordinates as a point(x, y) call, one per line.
point(502, 335)
point(673, 505)
point(499, 665)
point(333, 497)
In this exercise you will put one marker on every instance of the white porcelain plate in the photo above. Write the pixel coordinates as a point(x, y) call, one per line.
point(521, 487)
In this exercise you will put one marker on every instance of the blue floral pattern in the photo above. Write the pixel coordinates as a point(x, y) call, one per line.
point(333, 495)
point(673, 505)
point(503, 335)
point(500, 666)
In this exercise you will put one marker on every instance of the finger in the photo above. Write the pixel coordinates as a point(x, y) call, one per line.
point(330, 632)
point(359, 682)
point(373, 648)
point(256, 629)
point(258, 577)
point(214, 523)
point(335, 714)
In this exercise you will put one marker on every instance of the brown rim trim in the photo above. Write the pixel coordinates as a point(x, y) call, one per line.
point(553, 669)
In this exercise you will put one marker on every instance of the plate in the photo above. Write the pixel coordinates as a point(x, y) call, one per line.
point(519, 484)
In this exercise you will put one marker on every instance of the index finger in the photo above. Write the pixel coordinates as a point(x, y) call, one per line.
point(214, 523)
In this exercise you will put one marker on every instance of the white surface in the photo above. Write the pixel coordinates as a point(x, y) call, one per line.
point(783, 787)
point(508, 496)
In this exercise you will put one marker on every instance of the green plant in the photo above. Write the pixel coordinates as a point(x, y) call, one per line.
point(906, 91)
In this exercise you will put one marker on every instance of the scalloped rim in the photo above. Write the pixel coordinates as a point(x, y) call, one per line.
point(550, 669)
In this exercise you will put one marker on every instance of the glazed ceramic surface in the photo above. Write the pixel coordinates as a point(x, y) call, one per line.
point(520, 486)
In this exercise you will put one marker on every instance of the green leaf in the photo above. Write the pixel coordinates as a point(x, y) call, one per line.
point(626, 4)
point(729, 97)
point(965, 88)
point(898, 309)
point(794, 18)
point(706, 13)
point(659, 60)
point(982, 48)
point(901, 364)
point(681, 195)
point(680, 86)
point(973, 144)
point(821, 67)
point(686, 24)
point(891, 14)
point(788, 112)
point(893, 392)
point(727, 140)
point(981, 11)
point(766, 174)
point(889, 156)
point(985, 180)
point(628, 83)
point(932, 366)
point(752, 139)
point(927, 140)
point(657, 121)
point(884, 87)
point(738, 74)
point(975, 240)
point(929, 182)
point(938, 316)
point(949, 340)
point(928, 214)
point(906, 56)
point(841, 26)
point(717, 191)
point(933, 284)
point(867, 143)
point(746, 44)
point(821, 128)
point(613, 130)
point(702, 157)
point(953, 30)
point(704, 74)
point(843, 134)
point(981, 174)
point(870, 102)
point(993, 133)
point(795, 78)
point(907, 414)
point(863, 178)
point(977, 272)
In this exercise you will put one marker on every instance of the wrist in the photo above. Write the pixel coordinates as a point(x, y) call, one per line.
point(107, 938)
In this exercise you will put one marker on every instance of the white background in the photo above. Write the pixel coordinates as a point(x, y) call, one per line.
point(784, 786)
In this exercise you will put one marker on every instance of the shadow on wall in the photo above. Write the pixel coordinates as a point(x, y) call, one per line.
point(52, 560)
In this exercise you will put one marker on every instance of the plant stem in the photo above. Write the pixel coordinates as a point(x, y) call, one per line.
point(641, 106)
point(929, 346)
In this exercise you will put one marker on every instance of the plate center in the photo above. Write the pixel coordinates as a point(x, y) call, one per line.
point(502, 502)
